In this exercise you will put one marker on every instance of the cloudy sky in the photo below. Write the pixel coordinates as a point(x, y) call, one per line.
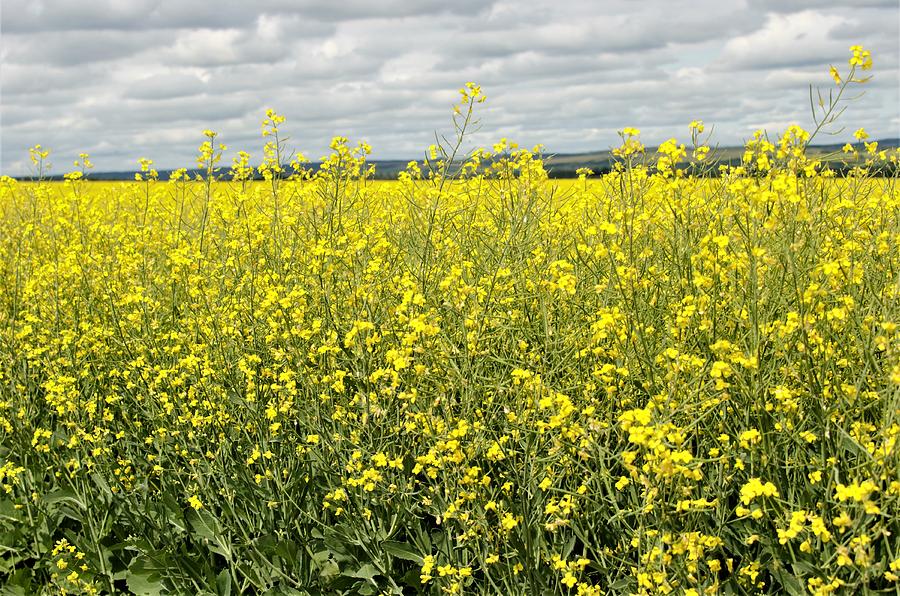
point(124, 79)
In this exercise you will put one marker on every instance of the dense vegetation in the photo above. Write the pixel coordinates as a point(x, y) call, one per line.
point(471, 379)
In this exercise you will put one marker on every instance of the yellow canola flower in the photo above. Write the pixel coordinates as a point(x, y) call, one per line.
point(754, 488)
point(858, 492)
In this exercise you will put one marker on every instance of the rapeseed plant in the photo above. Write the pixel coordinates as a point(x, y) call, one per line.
point(471, 380)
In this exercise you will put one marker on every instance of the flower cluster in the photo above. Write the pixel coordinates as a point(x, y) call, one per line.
point(472, 379)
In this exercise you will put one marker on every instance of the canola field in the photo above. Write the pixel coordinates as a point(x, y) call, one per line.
point(471, 380)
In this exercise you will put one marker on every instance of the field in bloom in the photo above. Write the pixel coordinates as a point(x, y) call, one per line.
point(475, 381)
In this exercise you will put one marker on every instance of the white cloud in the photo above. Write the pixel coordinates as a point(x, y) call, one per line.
point(124, 79)
point(785, 40)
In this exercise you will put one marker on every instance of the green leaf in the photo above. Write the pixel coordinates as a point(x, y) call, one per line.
point(413, 578)
point(172, 512)
point(223, 583)
point(802, 568)
point(143, 579)
point(13, 590)
point(8, 511)
point(326, 565)
point(64, 495)
point(567, 549)
point(287, 550)
point(401, 550)
point(206, 526)
point(101, 483)
point(18, 584)
point(619, 585)
point(366, 572)
point(8, 562)
point(789, 583)
point(337, 544)
point(284, 591)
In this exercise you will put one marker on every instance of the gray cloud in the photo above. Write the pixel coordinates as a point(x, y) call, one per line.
point(76, 48)
point(123, 79)
point(130, 15)
point(799, 5)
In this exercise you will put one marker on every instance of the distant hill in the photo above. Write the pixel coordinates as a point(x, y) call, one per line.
point(559, 165)
point(564, 165)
